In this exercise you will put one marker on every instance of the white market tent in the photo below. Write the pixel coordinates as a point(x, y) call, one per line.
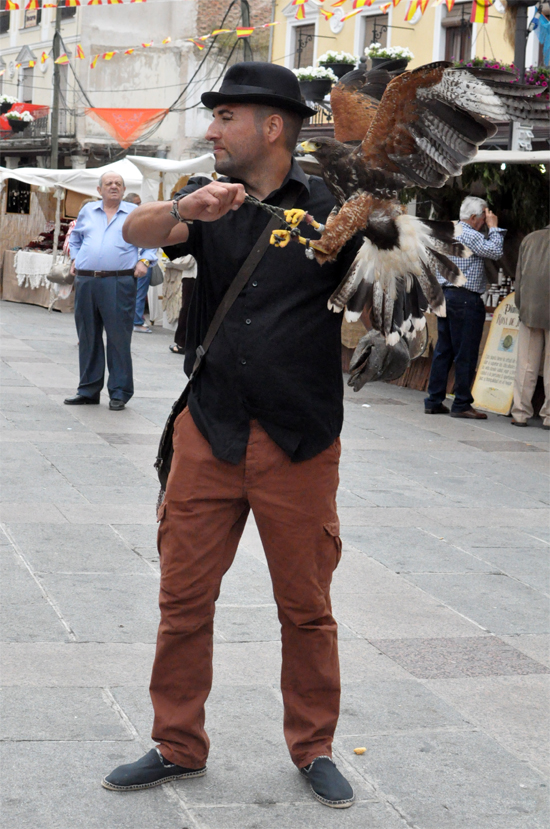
point(141, 175)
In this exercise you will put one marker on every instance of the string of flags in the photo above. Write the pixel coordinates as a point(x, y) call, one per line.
point(200, 42)
point(479, 14)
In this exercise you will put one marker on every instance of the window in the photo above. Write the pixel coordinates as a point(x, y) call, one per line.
point(458, 32)
point(19, 197)
point(303, 45)
point(67, 12)
point(33, 17)
point(376, 29)
point(26, 85)
point(4, 18)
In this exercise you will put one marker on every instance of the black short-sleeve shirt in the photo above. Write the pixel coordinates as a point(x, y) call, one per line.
point(277, 355)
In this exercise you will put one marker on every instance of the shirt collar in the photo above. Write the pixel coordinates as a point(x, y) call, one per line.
point(125, 206)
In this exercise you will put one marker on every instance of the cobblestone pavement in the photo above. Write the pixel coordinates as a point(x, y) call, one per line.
point(441, 596)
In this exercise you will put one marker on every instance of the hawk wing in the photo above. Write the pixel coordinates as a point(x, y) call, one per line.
point(355, 99)
point(431, 121)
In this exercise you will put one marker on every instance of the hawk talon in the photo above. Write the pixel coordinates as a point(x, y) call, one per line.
point(280, 238)
point(295, 216)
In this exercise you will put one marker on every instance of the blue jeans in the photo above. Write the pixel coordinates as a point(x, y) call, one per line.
point(141, 295)
point(458, 339)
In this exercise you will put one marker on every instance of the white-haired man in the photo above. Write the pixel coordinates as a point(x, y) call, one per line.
point(459, 332)
point(106, 269)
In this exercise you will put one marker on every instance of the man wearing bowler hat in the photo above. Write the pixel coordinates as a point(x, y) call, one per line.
point(261, 433)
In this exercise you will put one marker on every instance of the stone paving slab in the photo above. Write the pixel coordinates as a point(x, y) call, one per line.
point(432, 510)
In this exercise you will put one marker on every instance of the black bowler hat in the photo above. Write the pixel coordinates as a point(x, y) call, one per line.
point(259, 83)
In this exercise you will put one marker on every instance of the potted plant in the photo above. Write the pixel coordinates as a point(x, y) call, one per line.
point(340, 62)
point(315, 82)
point(379, 54)
point(6, 103)
point(19, 120)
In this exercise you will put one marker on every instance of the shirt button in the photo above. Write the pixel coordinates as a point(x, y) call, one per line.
point(248, 322)
point(254, 284)
point(243, 362)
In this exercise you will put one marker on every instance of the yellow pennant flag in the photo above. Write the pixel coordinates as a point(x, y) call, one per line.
point(32, 63)
point(358, 4)
point(94, 61)
point(95, 2)
point(197, 43)
point(449, 4)
point(300, 13)
point(480, 11)
point(80, 52)
point(411, 11)
point(267, 25)
point(129, 52)
point(385, 7)
point(138, 1)
point(11, 6)
point(244, 32)
point(350, 14)
point(49, 5)
point(32, 4)
point(145, 45)
point(167, 40)
point(114, 2)
point(62, 59)
point(326, 14)
point(72, 3)
point(396, 3)
point(18, 65)
point(338, 3)
point(221, 32)
point(108, 55)
point(43, 57)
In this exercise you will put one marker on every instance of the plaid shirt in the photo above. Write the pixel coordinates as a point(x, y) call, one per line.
point(482, 248)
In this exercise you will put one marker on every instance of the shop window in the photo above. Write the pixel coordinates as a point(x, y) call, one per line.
point(458, 32)
point(67, 12)
point(4, 18)
point(19, 197)
point(304, 38)
point(376, 29)
point(33, 17)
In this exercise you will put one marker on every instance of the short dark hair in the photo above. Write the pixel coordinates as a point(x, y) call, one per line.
point(292, 122)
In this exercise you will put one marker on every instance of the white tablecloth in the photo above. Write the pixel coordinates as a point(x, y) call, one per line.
point(32, 269)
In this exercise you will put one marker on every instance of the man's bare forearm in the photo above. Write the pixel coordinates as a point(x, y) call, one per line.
point(152, 226)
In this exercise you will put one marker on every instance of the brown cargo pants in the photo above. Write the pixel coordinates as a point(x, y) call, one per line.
point(201, 521)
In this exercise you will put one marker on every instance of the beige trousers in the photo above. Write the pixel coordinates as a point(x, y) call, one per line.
point(532, 344)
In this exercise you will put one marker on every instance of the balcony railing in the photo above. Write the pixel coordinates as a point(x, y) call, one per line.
point(40, 127)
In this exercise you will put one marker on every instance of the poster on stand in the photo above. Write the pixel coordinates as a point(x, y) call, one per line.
point(494, 384)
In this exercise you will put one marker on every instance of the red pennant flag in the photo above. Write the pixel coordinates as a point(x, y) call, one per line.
point(326, 14)
point(129, 52)
point(245, 32)
point(125, 125)
point(145, 45)
point(108, 55)
point(480, 11)
point(350, 14)
point(94, 61)
point(166, 39)
point(95, 2)
point(43, 57)
point(197, 43)
point(411, 11)
point(62, 59)
point(11, 6)
point(32, 4)
point(72, 3)
point(359, 4)
point(300, 13)
point(80, 52)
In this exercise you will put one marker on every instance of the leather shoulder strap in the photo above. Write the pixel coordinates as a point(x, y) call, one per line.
point(242, 277)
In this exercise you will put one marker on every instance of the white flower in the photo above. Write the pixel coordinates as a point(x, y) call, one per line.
point(376, 50)
point(315, 73)
point(337, 57)
point(7, 99)
point(19, 116)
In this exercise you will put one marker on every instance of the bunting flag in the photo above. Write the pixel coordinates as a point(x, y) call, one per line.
point(359, 4)
point(422, 5)
point(80, 52)
point(114, 2)
point(385, 8)
point(62, 59)
point(71, 3)
point(300, 13)
point(43, 57)
point(166, 39)
point(95, 2)
point(338, 3)
point(94, 61)
point(18, 65)
point(326, 14)
point(197, 43)
point(138, 1)
point(221, 32)
point(411, 11)
point(11, 6)
point(32, 4)
point(449, 4)
point(245, 32)
point(349, 14)
point(108, 55)
point(126, 125)
point(480, 11)
point(32, 63)
point(129, 51)
point(145, 45)
point(396, 3)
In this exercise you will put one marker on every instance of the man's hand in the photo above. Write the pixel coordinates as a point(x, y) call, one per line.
point(141, 269)
point(212, 201)
point(73, 268)
point(490, 219)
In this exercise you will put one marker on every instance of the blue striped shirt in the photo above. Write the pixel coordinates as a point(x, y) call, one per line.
point(97, 245)
point(482, 248)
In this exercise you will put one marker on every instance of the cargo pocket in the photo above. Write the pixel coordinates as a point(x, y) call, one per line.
point(332, 528)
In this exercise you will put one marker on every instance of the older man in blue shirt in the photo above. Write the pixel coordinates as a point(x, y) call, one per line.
point(106, 269)
point(459, 332)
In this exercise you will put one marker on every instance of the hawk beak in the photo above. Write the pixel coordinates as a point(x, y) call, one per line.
point(308, 146)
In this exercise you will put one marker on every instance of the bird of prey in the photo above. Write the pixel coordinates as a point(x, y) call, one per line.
point(413, 129)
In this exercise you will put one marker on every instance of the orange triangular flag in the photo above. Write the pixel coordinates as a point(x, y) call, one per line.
point(125, 125)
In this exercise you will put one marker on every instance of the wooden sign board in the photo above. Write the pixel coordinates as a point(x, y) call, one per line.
point(493, 388)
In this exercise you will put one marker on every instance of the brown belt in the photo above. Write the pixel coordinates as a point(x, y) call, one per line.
point(105, 273)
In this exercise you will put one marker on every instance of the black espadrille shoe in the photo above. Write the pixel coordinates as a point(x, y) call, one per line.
point(150, 770)
point(328, 784)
